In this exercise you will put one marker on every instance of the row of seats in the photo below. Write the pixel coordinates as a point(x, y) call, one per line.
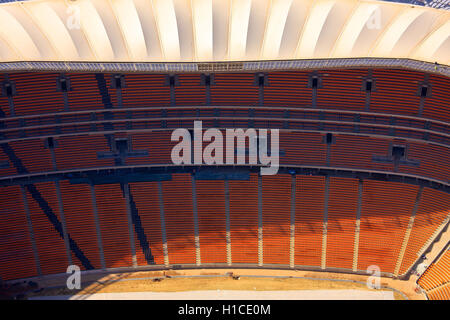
point(342, 209)
point(392, 92)
point(168, 226)
point(211, 213)
point(385, 213)
point(309, 216)
point(296, 148)
point(276, 212)
point(244, 220)
point(16, 252)
point(441, 293)
point(432, 211)
point(437, 274)
point(44, 211)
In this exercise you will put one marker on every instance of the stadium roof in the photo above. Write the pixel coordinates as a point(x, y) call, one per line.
point(221, 30)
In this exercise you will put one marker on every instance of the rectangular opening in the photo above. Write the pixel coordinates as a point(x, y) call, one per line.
point(172, 81)
point(8, 89)
point(122, 145)
point(50, 143)
point(63, 85)
point(207, 80)
point(424, 91)
point(261, 80)
point(118, 82)
point(369, 85)
point(398, 152)
point(329, 138)
point(314, 82)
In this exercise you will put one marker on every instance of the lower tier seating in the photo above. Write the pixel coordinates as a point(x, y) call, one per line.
point(436, 279)
point(281, 220)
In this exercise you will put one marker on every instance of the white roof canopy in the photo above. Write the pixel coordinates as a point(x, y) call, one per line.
point(220, 30)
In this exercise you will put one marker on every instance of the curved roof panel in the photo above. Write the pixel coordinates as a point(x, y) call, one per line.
point(220, 30)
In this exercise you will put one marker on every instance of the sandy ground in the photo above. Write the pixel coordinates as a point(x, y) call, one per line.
point(234, 295)
point(136, 286)
point(97, 278)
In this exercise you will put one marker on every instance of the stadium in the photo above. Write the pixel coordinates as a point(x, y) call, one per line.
point(348, 100)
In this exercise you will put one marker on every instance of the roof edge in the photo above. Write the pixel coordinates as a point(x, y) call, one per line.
point(236, 66)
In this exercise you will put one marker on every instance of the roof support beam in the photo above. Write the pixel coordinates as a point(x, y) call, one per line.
point(240, 17)
point(130, 25)
point(166, 22)
point(202, 16)
point(278, 13)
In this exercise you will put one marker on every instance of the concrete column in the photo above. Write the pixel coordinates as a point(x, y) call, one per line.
point(97, 227)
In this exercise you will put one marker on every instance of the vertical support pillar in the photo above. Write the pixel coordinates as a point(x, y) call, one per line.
point(163, 224)
point(227, 217)
point(119, 97)
point(325, 224)
point(357, 227)
point(260, 224)
point(126, 190)
point(292, 224)
point(31, 231)
point(198, 260)
point(66, 100)
point(367, 102)
point(12, 111)
point(328, 155)
point(97, 227)
point(408, 232)
point(63, 222)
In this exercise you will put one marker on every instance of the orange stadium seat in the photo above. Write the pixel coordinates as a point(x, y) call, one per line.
point(289, 89)
point(234, 90)
point(33, 154)
point(84, 94)
point(190, 92)
point(82, 148)
point(147, 202)
point(386, 210)
point(309, 211)
point(179, 219)
point(50, 244)
point(431, 213)
point(435, 106)
point(441, 293)
point(396, 92)
point(16, 254)
point(211, 221)
point(342, 89)
point(80, 223)
point(341, 222)
point(145, 90)
point(437, 274)
point(113, 222)
point(276, 212)
point(244, 220)
point(36, 93)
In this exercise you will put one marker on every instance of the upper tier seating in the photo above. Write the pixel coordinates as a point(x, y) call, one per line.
point(393, 91)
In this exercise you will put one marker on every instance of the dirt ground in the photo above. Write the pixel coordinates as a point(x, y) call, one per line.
point(134, 282)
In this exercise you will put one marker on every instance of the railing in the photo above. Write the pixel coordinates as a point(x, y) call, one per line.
point(226, 66)
point(87, 174)
point(165, 118)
